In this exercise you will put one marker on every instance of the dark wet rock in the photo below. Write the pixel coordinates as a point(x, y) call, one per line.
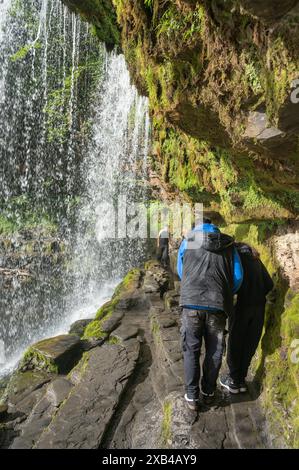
point(276, 141)
point(58, 390)
point(93, 401)
point(124, 332)
point(268, 10)
point(78, 327)
point(112, 322)
point(156, 278)
point(150, 285)
point(7, 435)
point(177, 286)
point(58, 354)
point(42, 414)
point(91, 343)
point(3, 411)
point(22, 386)
point(288, 119)
point(24, 252)
point(130, 301)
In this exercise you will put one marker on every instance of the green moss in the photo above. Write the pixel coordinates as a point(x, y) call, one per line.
point(277, 368)
point(57, 112)
point(173, 23)
point(114, 340)
point(227, 180)
point(18, 214)
point(256, 235)
point(81, 366)
point(155, 329)
point(176, 53)
point(102, 15)
point(39, 360)
point(166, 423)
point(94, 330)
point(20, 382)
point(23, 52)
point(128, 285)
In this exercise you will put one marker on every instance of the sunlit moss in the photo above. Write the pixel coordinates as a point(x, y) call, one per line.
point(166, 423)
point(127, 286)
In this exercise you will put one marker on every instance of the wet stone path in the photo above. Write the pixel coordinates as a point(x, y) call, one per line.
point(129, 393)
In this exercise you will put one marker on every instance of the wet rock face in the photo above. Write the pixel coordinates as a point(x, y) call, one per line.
point(286, 246)
point(261, 136)
point(127, 391)
point(268, 10)
point(27, 252)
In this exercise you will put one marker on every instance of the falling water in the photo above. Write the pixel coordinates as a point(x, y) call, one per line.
point(114, 165)
point(74, 138)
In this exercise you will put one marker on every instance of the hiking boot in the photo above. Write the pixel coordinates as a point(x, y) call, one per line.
point(243, 387)
point(227, 382)
point(207, 395)
point(191, 403)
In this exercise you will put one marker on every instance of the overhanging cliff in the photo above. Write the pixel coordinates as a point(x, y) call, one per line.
point(221, 78)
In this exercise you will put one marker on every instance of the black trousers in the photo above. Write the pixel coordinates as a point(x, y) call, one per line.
point(196, 326)
point(163, 255)
point(245, 331)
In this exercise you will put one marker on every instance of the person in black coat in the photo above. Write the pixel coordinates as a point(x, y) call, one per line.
point(246, 323)
point(163, 247)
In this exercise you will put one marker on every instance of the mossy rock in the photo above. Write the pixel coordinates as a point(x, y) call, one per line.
point(78, 327)
point(53, 355)
point(21, 384)
point(101, 14)
point(123, 298)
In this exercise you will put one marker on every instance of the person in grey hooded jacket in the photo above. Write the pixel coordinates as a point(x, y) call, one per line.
point(211, 272)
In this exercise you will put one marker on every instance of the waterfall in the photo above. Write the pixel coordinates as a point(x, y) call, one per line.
point(74, 139)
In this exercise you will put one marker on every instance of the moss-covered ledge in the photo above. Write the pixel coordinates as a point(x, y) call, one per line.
point(123, 297)
point(101, 14)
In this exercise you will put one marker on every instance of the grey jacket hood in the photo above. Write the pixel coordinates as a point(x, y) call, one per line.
point(209, 241)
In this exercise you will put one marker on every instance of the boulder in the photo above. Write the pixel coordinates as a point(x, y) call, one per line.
point(78, 327)
point(57, 355)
